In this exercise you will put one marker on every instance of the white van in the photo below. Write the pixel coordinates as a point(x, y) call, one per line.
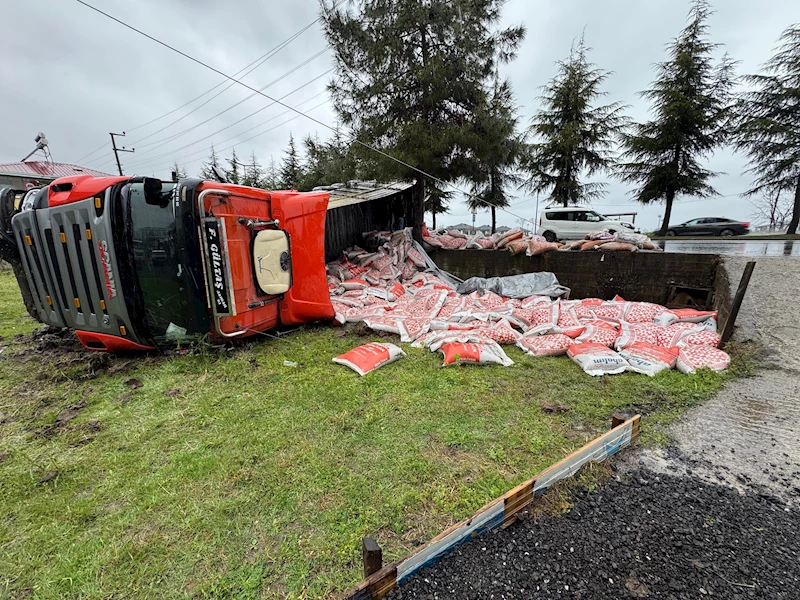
point(574, 222)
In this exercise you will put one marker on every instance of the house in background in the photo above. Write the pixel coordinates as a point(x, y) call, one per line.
point(32, 174)
point(484, 229)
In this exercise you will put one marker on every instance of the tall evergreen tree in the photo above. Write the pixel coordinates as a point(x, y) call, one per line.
point(499, 148)
point(691, 113)
point(206, 171)
point(573, 137)
point(768, 124)
point(436, 201)
point(291, 170)
point(410, 76)
point(254, 173)
point(180, 172)
point(271, 177)
point(232, 173)
point(332, 161)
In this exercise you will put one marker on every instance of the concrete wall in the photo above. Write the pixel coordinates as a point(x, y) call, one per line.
point(639, 276)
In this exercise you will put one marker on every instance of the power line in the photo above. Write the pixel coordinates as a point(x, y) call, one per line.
point(260, 60)
point(300, 113)
point(279, 125)
point(167, 140)
point(238, 135)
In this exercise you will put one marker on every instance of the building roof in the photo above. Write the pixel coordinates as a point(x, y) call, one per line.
point(46, 170)
point(355, 192)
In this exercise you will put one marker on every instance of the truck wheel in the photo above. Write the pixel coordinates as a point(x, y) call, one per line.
point(549, 236)
point(726, 232)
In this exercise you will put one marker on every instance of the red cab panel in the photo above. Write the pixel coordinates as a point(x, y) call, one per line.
point(303, 217)
point(79, 187)
point(108, 343)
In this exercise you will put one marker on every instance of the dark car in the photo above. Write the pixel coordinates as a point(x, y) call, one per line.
point(710, 226)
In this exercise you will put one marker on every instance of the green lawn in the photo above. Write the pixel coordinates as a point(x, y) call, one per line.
point(229, 475)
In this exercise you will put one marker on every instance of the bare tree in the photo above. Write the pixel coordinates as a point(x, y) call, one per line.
point(773, 208)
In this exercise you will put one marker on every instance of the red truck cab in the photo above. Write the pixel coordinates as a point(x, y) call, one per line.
point(137, 263)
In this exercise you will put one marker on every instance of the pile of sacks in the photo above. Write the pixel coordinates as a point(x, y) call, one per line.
point(399, 290)
point(513, 240)
point(620, 241)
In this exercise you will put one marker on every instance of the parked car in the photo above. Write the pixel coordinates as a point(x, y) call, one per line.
point(574, 222)
point(710, 226)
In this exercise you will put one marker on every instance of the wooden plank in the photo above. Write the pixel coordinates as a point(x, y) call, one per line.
point(372, 556)
point(727, 331)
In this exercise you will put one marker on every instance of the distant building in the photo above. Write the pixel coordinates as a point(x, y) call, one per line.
point(27, 175)
point(469, 229)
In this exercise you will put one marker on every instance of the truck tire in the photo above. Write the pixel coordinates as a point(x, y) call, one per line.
point(549, 236)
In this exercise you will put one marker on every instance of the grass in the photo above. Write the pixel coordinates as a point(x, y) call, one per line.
point(229, 475)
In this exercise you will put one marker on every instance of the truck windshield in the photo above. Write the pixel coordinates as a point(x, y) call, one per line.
point(170, 306)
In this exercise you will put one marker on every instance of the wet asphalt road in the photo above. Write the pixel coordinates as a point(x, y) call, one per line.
point(735, 247)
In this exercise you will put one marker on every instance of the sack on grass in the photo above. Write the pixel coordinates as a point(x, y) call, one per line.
point(596, 359)
point(369, 357)
point(649, 358)
point(488, 353)
point(692, 358)
point(554, 344)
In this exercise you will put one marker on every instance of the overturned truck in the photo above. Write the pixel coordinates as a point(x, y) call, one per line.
point(134, 263)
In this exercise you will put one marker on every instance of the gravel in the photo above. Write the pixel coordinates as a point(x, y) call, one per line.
point(643, 534)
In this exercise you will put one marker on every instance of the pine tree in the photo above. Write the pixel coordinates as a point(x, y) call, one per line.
point(254, 173)
point(691, 107)
point(179, 172)
point(573, 138)
point(499, 150)
point(436, 201)
point(291, 171)
point(232, 173)
point(410, 76)
point(768, 124)
point(328, 162)
point(206, 171)
point(271, 178)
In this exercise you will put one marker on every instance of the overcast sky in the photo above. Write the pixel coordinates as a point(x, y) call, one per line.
point(76, 76)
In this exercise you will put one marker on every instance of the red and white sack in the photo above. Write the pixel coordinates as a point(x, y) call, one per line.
point(596, 359)
point(633, 333)
point(568, 322)
point(684, 315)
point(386, 323)
point(488, 353)
point(613, 312)
point(705, 337)
point(649, 359)
point(519, 246)
point(554, 344)
point(597, 334)
point(499, 331)
point(369, 357)
point(692, 358)
point(671, 336)
point(643, 312)
point(534, 301)
point(354, 284)
point(535, 247)
point(540, 320)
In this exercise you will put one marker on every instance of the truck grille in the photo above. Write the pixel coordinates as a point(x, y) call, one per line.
point(59, 247)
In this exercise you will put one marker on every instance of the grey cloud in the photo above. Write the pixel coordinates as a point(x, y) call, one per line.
point(76, 75)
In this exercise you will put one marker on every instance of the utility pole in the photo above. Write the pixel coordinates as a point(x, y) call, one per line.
point(118, 150)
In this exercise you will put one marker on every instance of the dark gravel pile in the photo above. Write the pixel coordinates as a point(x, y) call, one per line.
point(641, 536)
